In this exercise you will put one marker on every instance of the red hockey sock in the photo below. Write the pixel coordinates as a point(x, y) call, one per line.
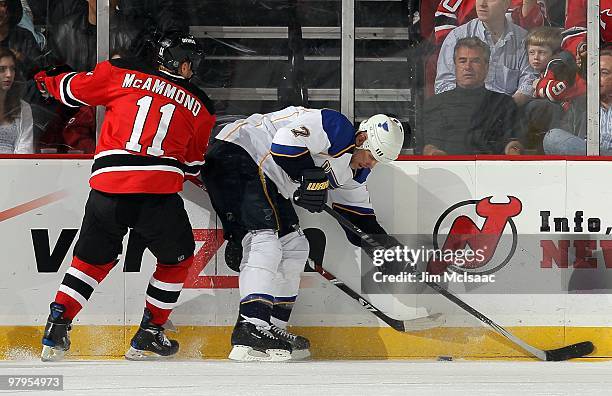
point(165, 288)
point(79, 283)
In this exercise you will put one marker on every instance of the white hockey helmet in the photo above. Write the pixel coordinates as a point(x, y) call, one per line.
point(385, 137)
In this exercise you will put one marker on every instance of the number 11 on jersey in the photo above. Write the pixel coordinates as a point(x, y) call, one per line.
point(144, 105)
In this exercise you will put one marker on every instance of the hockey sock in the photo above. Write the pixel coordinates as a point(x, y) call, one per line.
point(79, 283)
point(281, 311)
point(255, 308)
point(165, 288)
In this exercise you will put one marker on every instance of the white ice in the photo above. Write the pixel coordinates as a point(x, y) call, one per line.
point(323, 378)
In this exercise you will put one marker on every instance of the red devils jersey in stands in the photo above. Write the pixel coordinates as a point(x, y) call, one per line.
point(576, 21)
point(576, 15)
point(560, 81)
point(452, 13)
point(155, 130)
point(427, 9)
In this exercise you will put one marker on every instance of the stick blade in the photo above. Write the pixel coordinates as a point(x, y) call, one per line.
point(424, 323)
point(570, 352)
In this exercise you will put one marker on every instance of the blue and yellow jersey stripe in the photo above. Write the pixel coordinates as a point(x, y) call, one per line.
point(281, 150)
point(340, 132)
point(358, 210)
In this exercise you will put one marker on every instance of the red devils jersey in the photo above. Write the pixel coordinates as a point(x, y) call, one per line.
point(155, 130)
point(427, 9)
point(560, 81)
point(576, 21)
point(452, 13)
point(576, 13)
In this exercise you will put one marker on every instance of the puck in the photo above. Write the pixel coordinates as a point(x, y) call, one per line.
point(445, 358)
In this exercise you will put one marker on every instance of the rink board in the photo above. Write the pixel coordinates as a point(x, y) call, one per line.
point(42, 206)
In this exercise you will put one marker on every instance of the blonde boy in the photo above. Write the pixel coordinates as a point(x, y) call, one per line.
point(542, 43)
point(557, 68)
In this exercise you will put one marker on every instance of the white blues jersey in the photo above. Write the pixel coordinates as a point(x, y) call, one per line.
point(296, 134)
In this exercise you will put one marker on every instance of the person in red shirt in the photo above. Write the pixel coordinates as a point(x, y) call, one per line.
point(154, 135)
point(74, 132)
point(574, 37)
point(576, 16)
point(427, 10)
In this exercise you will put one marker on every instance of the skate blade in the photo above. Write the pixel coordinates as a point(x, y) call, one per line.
point(300, 354)
point(50, 354)
point(138, 355)
point(243, 353)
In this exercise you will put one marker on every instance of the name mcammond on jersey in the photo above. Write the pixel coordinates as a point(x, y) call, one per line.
point(164, 88)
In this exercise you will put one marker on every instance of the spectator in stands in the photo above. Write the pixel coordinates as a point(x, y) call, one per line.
point(570, 139)
point(78, 134)
point(16, 126)
point(509, 70)
point(574, 37)
point(27, 22)
point(450, 14)
point(528, 14)
point(427, 11)
point(73, 40)
point(558, 80)
point(470, 119)
point(542, 45)
point(19, 40)
point(576, 16)
point(557, 83)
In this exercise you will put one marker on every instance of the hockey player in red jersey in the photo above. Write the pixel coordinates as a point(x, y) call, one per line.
point(154, 134)
point(452, 13)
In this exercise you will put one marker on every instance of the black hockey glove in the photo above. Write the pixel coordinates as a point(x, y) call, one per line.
point(312, 192)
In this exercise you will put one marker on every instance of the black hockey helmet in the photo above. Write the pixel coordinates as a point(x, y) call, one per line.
point(176, 48)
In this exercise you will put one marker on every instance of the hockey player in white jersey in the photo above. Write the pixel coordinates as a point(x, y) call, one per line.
point(255, 168)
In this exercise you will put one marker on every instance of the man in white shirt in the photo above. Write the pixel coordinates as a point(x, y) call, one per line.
point(509, 69)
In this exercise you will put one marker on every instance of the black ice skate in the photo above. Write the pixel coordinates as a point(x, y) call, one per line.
point(257, 343)
point(300, 346)
point(55, 339)
point(150, 342)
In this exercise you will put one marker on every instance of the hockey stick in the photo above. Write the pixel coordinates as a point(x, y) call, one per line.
point(317, 241)
point(564, 353)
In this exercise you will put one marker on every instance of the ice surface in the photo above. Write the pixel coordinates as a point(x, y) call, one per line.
point(323, 378)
